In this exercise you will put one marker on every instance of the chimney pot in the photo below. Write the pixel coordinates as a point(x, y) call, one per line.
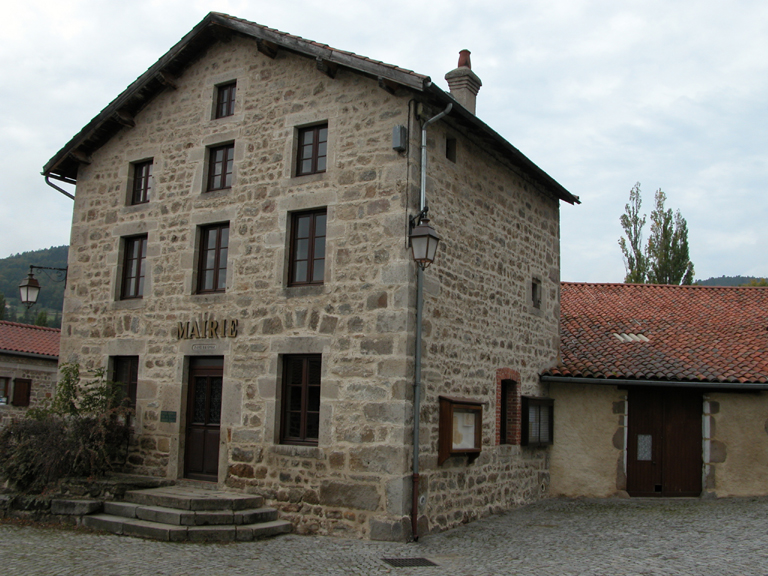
point(464, 60)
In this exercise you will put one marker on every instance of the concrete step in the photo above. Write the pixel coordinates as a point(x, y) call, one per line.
point(168, 533)
point(182, 498)
point(177, 517)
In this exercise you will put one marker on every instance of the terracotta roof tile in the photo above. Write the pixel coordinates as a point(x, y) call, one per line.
point(29, 339)
point(695, 333)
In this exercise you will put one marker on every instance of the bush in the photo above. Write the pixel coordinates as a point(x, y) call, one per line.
point(83, 432)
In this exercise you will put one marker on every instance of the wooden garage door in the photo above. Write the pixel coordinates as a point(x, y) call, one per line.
point(664, 450)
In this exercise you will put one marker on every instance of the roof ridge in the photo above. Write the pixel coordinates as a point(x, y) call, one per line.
point(627, 284)
point(29, 326)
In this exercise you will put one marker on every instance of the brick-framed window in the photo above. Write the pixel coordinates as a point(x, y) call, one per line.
point(508, 407)
point(300, 423)
point(313, 150)
point(125, 370)
point(225, 99)
point(307, 250)
point(142, 182)
point(221, 161)
point(134, 266)
point(22, 388)
point(212, 269)
point(538, 421)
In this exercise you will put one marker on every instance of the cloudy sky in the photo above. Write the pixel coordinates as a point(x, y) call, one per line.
point(600, 94)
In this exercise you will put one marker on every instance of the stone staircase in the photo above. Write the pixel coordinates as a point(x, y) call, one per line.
point(177, 513)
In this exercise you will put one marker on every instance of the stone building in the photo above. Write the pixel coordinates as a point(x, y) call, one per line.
point(240, 257)
point(661, 391)
point(29, 357)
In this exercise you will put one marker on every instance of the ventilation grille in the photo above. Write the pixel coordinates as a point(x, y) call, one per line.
point(407, 562)
point(631, 338)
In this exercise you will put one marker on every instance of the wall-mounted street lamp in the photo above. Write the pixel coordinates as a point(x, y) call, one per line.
point(29, 289)
point(424, 240)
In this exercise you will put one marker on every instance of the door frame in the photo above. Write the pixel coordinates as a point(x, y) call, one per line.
point(209, 367)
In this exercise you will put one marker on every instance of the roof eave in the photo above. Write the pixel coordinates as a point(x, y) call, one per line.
point(501, 144)
point(742, 386)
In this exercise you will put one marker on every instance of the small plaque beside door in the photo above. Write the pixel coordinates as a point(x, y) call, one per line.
point(167, 416)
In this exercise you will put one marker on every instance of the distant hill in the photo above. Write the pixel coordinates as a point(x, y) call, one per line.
point(15, 268)
point(726, 281)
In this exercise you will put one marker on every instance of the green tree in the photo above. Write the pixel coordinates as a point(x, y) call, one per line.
point(665, 259)
point(757, 282)
point(42, 318)
point(632, 247)
point(2, 307)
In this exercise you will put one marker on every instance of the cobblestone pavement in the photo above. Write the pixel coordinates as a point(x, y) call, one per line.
point(552, 537)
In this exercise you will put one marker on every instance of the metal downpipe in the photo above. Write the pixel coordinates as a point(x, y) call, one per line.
point(52, 185)
point(419, 314)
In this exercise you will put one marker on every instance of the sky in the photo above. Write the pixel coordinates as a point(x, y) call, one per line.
point(599, 94)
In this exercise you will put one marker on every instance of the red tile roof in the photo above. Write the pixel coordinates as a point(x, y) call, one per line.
point(694, 333)
point(29, 339)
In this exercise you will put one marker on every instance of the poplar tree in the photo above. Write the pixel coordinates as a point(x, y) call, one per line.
point(665, 259)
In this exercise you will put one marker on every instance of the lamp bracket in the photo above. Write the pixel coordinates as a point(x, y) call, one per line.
point(61, 273)
point(414, 221)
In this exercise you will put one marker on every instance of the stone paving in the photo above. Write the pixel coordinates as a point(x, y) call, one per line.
point(552, 537)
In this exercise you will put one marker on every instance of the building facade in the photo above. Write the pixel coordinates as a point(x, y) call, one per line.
point(28, 368)
point(239, 257)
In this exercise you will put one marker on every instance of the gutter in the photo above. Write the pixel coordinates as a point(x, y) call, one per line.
point(61, 179)
point(28, 355)
point(657, 383)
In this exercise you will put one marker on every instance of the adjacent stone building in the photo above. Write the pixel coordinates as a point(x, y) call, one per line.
point(661, 391)
point(28, 368)
point(240, 258)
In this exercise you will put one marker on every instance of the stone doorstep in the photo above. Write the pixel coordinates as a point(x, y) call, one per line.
point(177, 517)
point(151, 530)
point(75, 507)
point(193, 499)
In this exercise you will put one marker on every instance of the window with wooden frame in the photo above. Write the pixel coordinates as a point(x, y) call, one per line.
point(142, 182)
point(5, 385)
point(134, 265)
point(221, 161)
point(225, 100)
point(536, 292)
point(22, 389)
point(212, 270)
point(125, 370)
point(313, 150)
point(307, 262)
point(538, 421)
point(301, 399)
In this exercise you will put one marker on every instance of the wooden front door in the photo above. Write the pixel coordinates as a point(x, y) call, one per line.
point(201, 461)
point(664, 451)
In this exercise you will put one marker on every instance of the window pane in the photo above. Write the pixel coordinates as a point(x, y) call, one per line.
point(313, 399)
point(300, 271)
point(321, 164)
point(320, 224)
point(294, 400)
point(294, 425)
point(323, 134)
point(321, 148)
point(302, 227)
point(308, 137)
point(318, 271)
point(306, 166)
point(313, 426)
point(319, 248)
point(302, 249)
point(214, 409)
point(225, 237)
point(208, 280)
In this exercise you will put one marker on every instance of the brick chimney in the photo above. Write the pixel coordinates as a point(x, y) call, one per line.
point(463, 83)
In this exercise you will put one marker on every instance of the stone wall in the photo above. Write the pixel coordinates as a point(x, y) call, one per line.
point(736, 444)
point(588, 453)
point(43, 375)
point(499, 231)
